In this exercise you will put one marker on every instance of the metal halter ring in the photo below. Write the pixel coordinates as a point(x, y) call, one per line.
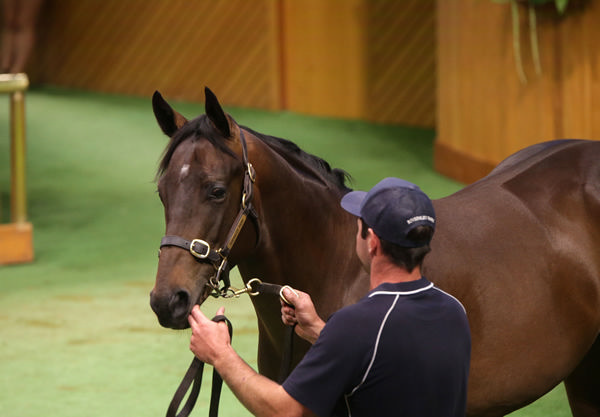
point(248, 289)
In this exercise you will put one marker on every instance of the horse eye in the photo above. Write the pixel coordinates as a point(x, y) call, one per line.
point(218, 193)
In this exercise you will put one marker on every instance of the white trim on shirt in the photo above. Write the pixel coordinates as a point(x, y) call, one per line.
point(401, 292)
point(376, 345)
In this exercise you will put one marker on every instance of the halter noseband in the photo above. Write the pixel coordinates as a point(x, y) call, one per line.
point(202, 251)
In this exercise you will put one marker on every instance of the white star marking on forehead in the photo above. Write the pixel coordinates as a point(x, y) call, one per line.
point(185, 170)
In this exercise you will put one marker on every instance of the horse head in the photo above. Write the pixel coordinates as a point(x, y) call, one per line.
point(205, 185)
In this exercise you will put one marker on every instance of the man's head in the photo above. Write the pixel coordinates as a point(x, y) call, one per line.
point(400, 214)
point(393, 208)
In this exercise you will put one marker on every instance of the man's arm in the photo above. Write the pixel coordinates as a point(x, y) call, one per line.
point(211, 344)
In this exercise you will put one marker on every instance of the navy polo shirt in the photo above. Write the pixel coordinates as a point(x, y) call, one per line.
point(402, 350)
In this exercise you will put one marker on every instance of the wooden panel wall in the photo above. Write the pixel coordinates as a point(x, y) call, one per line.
point(360, 58)
point(485, 113)
point(176, 46)
point(373, 60)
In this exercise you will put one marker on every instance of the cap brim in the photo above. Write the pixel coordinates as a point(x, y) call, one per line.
point(352, 202)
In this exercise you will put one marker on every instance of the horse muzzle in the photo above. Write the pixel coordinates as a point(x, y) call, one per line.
point(172, 308)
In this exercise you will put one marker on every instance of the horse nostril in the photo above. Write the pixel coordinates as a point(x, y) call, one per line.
point(179, 304)
point(156, 304)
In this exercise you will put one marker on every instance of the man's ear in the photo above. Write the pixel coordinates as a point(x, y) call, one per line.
point(373, 242)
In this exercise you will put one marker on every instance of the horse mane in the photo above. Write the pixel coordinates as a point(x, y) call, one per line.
point(287, 149)
point(203, 127)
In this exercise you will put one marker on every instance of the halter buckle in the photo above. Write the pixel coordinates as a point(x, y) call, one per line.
point(204, 246)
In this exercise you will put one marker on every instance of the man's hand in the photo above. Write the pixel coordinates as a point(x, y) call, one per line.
point(303, 313)
point(211, 344)
point(209, 339)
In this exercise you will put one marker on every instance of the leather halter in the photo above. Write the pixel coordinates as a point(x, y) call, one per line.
point(202, 251)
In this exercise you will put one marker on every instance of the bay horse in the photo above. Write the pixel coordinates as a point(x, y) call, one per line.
point(520, 249)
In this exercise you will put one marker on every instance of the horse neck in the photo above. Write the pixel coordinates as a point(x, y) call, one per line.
point(306, 238)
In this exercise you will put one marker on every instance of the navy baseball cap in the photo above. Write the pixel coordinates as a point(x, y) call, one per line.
point(392, 208)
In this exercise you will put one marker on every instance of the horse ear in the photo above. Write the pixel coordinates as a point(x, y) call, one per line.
point(215, 113)
point(168, 119)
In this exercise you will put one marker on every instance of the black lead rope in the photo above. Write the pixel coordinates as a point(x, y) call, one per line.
point(194, 375)
point(194, 372)
point(288, 343)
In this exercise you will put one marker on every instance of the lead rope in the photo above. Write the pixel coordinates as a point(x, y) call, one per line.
point(194, 375)
point(196, 368)
point(288, 341)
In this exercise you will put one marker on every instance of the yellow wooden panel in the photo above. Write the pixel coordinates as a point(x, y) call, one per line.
point(485, 112)
point(323, 54)
point(579, 94)
point(373, 60)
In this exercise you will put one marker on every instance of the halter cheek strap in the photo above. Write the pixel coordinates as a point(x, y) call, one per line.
point(202, 251)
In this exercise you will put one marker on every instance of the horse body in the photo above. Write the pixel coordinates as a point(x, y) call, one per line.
point(518, 248)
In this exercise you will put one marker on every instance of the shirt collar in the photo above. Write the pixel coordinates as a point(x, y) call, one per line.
point(402, 288)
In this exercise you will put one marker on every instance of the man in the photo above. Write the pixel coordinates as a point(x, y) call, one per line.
point(402, 350)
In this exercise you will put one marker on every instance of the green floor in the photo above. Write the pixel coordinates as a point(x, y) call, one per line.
point(78, 337)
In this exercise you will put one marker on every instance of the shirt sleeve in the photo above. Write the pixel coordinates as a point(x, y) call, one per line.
point(333, 365)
